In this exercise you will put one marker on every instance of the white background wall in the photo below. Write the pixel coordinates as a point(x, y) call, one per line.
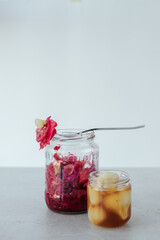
point(92, 63)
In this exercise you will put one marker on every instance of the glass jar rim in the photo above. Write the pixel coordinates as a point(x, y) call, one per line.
point(72, 134)
point(123, 177)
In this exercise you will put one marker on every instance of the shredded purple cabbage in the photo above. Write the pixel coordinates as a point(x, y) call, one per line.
point(66, 183)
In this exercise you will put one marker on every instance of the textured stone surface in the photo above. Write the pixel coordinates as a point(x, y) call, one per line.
point(24, 215)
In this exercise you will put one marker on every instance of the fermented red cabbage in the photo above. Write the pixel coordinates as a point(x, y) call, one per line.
point(66, 182)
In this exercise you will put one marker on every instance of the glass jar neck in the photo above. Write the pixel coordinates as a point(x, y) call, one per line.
point(72, 135)
point(109, 179)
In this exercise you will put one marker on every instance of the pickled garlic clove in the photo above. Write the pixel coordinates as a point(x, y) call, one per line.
point(108, 179)
point(96, 214)
point(93, 195)
point(112, 176)
point(57, 166)
point(126, 198)
point(40, 123)
point(119, 202)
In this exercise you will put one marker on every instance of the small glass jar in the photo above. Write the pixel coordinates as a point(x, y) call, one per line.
point(70, 158)
point(109, 198)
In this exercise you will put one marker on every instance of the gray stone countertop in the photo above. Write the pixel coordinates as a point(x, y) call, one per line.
point(25, 216)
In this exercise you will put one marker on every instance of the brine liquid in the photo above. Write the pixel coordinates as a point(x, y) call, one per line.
point(109, 208)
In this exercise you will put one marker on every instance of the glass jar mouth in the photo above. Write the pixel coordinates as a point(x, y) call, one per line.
point(72, 134)
point(121, 180)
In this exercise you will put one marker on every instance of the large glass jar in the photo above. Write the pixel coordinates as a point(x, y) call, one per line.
point(70, 158)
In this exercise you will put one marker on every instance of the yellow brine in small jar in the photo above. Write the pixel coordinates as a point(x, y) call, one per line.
point(109, 198)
